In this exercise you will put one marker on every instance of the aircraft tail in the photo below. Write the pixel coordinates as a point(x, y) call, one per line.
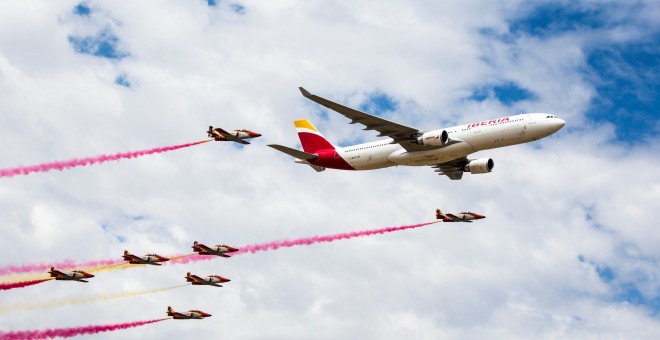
point(310, 138)
point(438, 214)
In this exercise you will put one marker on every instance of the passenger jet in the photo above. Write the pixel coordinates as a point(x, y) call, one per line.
point(446, 150)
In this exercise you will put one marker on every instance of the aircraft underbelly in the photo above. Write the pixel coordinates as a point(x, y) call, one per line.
point(430, 157)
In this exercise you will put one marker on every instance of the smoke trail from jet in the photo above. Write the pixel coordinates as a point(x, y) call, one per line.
point(306, 241)
point(103, 265)
point(21, 284)
point(82, 299)
point(95, 265)
point(76, 162)
point(72, 331)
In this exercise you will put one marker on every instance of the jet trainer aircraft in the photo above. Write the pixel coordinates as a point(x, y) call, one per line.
point(446, 150)
point(237, 136)
point(211, 280)
point(218, 250)
point(460, 217)
point(191, 314)
point(153, 259)
point(76, 275)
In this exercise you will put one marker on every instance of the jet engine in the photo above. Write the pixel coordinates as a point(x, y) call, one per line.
point(434, 138)
point(479, 166)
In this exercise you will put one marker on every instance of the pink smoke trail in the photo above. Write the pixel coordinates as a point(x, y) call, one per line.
point(12, 285)
point(72, 331)
point(66, 264)
point(186, 258)
point(61, 165)
point(253, 248)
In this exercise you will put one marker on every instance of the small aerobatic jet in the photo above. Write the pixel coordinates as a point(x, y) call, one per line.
point(153, 259)
point(218, 250)
point(237, 136)
point(191, 314)
point(211, 280)
point(76, 275)
point(460, 217)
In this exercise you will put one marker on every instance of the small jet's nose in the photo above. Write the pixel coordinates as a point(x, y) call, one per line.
point(89, 275)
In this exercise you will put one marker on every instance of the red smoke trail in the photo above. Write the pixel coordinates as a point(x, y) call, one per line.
point(61, 165)
point(73, 331)
point(12, 285)
point(66, 264)
point(302, 242)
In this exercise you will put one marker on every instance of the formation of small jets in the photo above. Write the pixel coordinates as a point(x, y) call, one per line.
point(157, 260)
point(75, 275)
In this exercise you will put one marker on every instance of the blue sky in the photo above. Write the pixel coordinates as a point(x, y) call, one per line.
point(625, 74)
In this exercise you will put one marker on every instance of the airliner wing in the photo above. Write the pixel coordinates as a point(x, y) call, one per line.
point(401, 134)
point(452, 169)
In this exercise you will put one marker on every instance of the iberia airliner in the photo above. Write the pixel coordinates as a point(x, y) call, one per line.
point(446, 150)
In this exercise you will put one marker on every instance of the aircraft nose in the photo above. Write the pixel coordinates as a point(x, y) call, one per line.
point(558, 124)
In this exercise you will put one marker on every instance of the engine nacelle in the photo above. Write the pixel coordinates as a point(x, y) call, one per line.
point(434, 138)
point(479, 166)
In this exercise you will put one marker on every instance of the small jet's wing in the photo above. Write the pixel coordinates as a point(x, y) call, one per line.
point(401, 134)
point(196, 278)
point(452, 216)
point(224, 255)
point(229, 136)
point(452, 169)
point(295, 153)
point(205, 248)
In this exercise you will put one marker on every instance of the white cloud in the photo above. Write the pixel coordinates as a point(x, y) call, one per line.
point(516, 274)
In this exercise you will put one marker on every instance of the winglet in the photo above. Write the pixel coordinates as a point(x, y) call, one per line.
point(305, 92)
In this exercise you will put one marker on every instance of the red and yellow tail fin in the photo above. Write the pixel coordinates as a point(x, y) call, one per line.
point(310, 138)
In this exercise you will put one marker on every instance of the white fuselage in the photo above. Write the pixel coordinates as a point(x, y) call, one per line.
point(476, 136)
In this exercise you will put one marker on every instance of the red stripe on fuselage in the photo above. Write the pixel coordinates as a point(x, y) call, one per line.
point(330, 159)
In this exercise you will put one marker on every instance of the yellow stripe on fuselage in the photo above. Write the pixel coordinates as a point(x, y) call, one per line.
point(304, 124)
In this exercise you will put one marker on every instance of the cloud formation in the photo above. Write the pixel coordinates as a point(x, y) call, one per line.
point(569, 248)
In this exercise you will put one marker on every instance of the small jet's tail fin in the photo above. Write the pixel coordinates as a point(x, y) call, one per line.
point(438, 213)
point(310, 138)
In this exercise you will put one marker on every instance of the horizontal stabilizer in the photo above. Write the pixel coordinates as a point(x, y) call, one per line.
point(295, 153)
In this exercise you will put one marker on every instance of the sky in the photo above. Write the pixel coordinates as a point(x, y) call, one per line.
point(569, 248)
